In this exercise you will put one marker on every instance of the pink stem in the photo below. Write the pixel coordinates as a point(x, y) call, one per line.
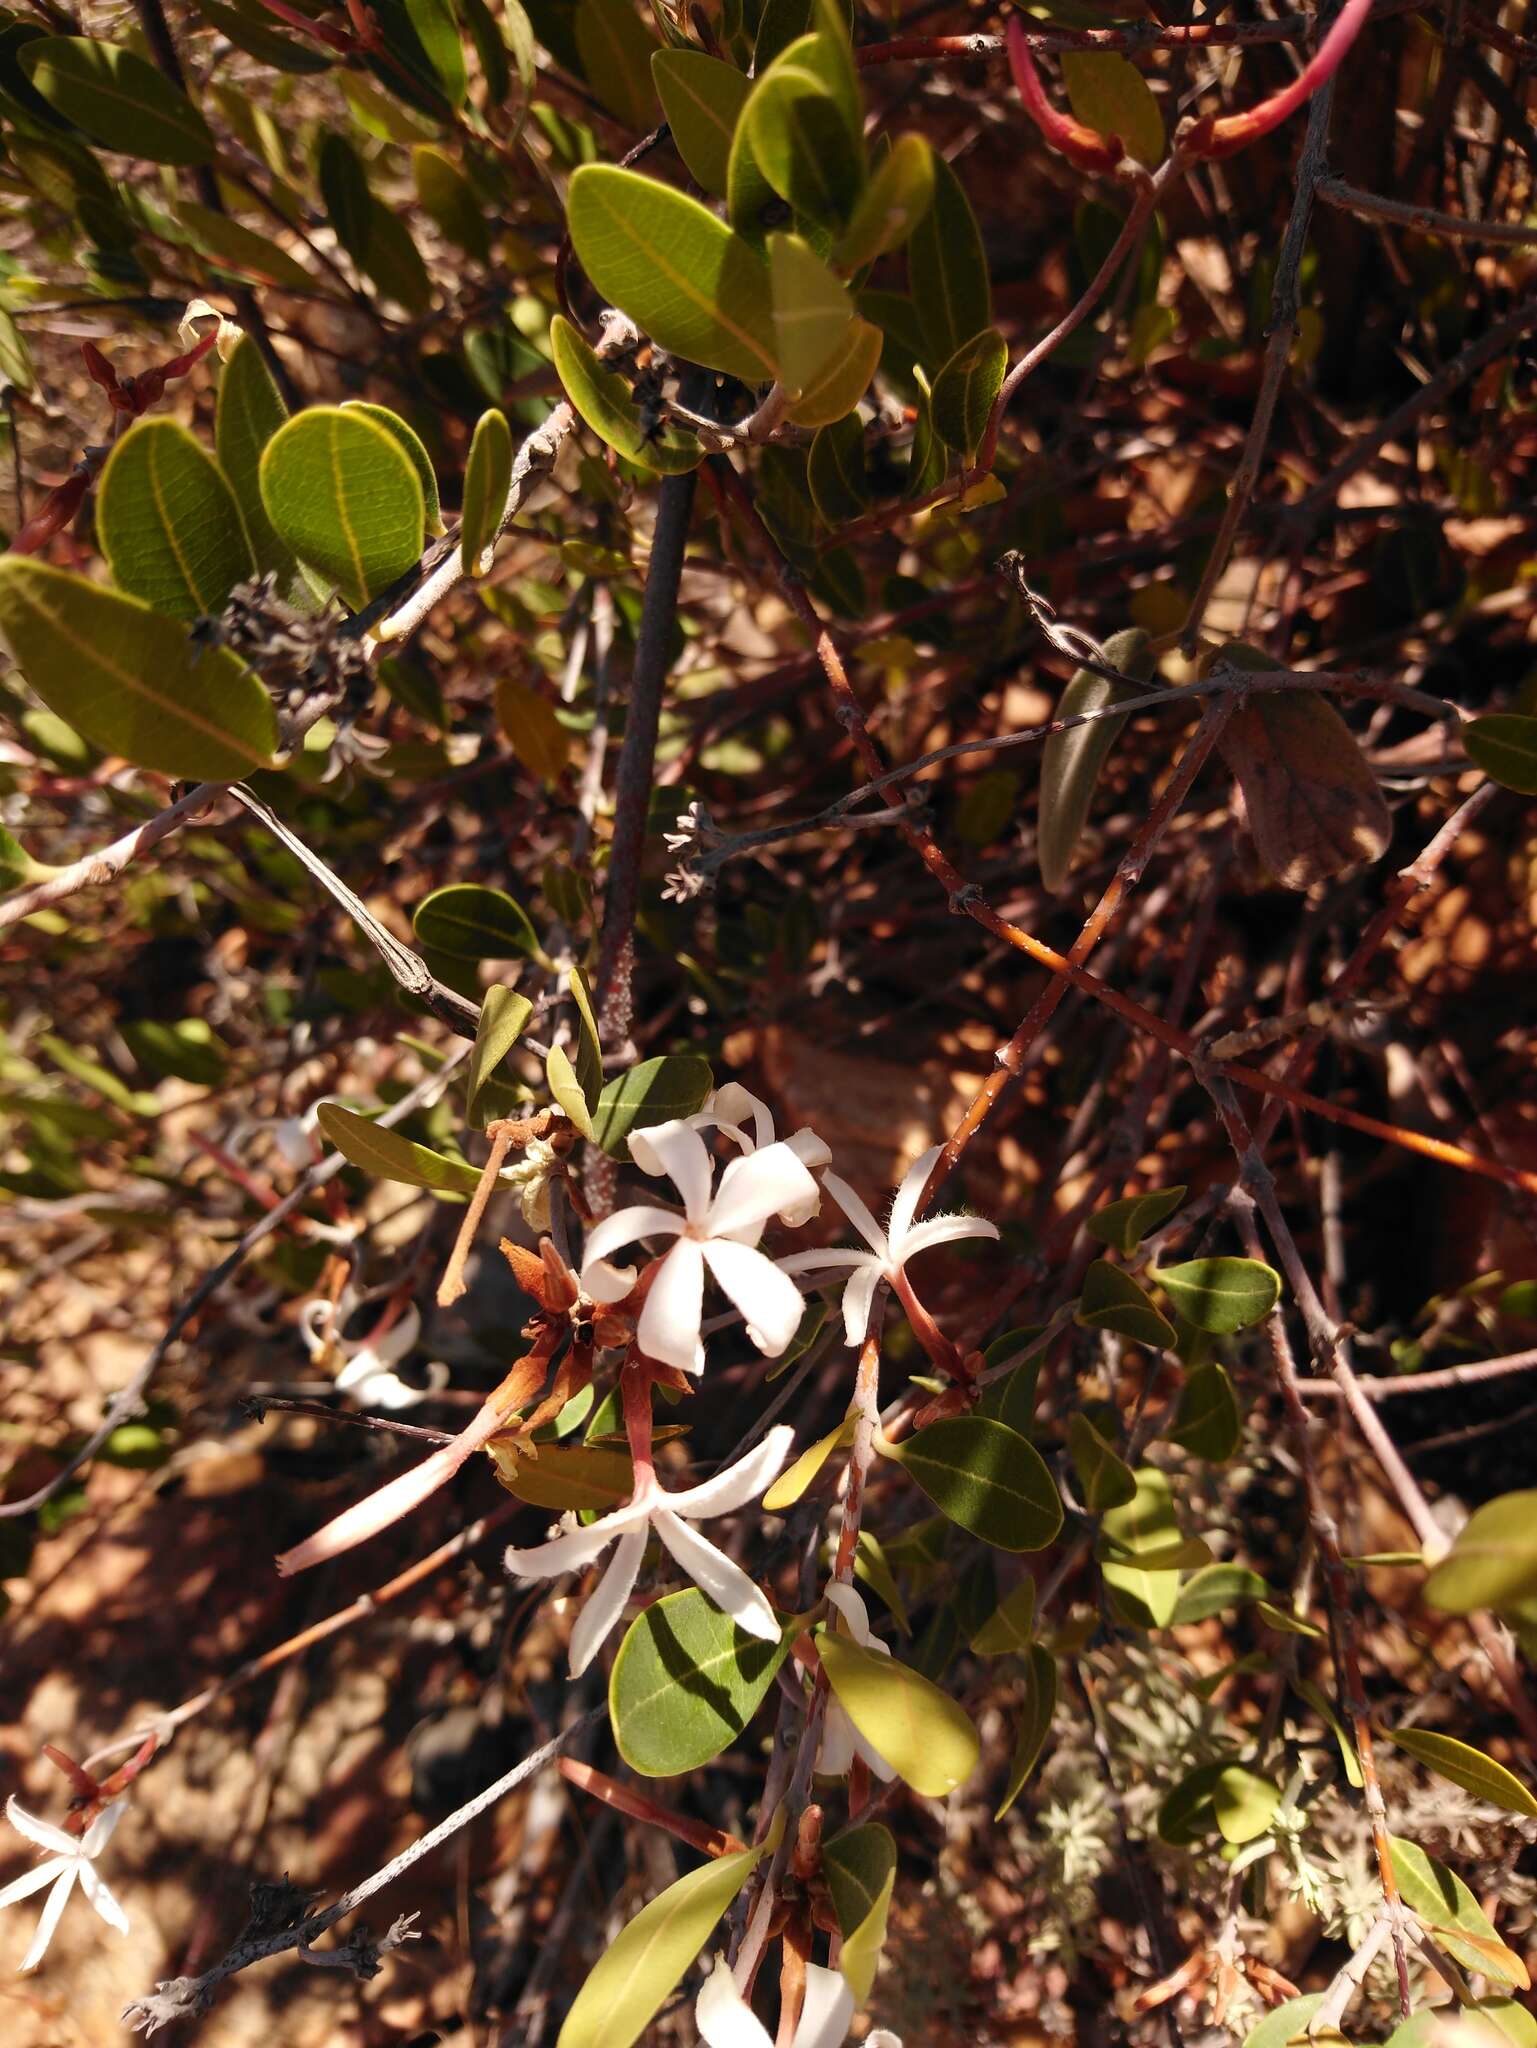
point(1223, 137)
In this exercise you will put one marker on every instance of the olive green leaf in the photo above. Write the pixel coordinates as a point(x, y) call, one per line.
point(1112, 1300)
point(241, 249)
point(859, 1868)
point(503, 1014)
point(1504, 745)
point(343, 494)
point(947, 269)
point(802, 139)
point(602, 397)
point(843, 382)
point(685, 1683)
point(1287, 2026)
point(1104, 1479)
point(920, 1731)
point(1493, 1563)
point(1110, 94)
point(985, 1477)
point(702, 98)
point(965, 388)
point(1215, 1587)
point(129, 679)
point(640, 1967)
point(119, 100)
point(487, 480)
point(450, 200)
point(168, 522)
point(468, 921)
point(1123, 1225)
point(1221, 1295)
point(1035, 1715)
point(249, 29)
point(249, 413)
point(416, 454)
point(1468, 1767)
point(1217, 1798)
point(388, 1156)
point(835, 471)
point(581, 1478)
point(560, 1077)
point(616, 47)
point(1071, 762)
point(1010, 1626)
point(812, 312)
point(899, 194)
point(1207, 1422)
point(535, 732)
point(1452, 1914)
point(697, 288)
point(651, 1093)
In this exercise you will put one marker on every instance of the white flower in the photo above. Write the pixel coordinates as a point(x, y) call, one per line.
point(841, 1740)
point(368, 1373)
point(671, 1516)
point(73, 1857)
point(890, 1249)
point(726, 2020)
point(730, 1108)
point(719, 1230)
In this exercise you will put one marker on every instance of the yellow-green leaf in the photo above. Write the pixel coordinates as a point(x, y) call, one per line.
point(119, 100)
point(561, 1078)
point(487, 480)
point(860, 1869)
point(897, 197)
point(1110, 94)
point(1035, 1712)
point(388, 1156)
point(1493, 1563)
point(965, 388)
point(812, 312)
point(345, 496)
point(249, 413)
point(793, 1481)
point(503, 1014)
point(702, 98)
point(844, 381)
point(1455, 1918)
point(168, 522)
point(1468, 1767)
point(413, 449)
point(1010, 1626)
point(603, 399)
point(685, 1683)
point(987, 1478)
point(919, 1730)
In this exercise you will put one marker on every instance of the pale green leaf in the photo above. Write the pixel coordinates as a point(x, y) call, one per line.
point(487, 481)
point(859, 1868)
point(603, 399)
point(1468, 1767)
point(899, 194)
point(1493, 1563)
point(344, 495)
point(1221, 1295)
point(702, 98)
point(560, 1076)
point(685, 1683)
point(844, 381)
point(812, 312)
point(388, 1156)
point(920, 1731)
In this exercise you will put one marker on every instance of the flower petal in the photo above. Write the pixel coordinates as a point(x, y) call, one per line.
point(945, 1230)
point(813, 1152)
point(103, 1828)
point(401, 1335)
point(625, 1226)
point(852, 1608)
point(769, 1299)
point(32, 1881)
point(883, 2037)
point(835, 1752)
point(42, 1832)
point(723, 2016)
point(828, 2008)
point(829, 1261)
point(672, 1148)
point(605, 1603)
point(856, 1212)
point(731, 1106)
point(716, 1576)
point(102, 1897)
point(757, 1186)
point(905, 1202)
point(48, 1919)
point(739, 1483)
point(576, 1547)
point(668, 1329)
point(859, 1301)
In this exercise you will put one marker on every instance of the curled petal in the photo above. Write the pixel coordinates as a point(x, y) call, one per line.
point(859, 1301)
point(400, 1337)
point(739, 1483)
point(852, 1608)
point(48, 1919)
point(731, 1107)
point(856, 1212)
point(1083, 146)
point(1232, 132)
point(826, 2011)
point(813, 1152)
point(668, 1330)
point(945, 1230)
point(883, 2037)
point(103, 1828)
point(103, 1898)
point(672, 1148)
point(625, 1226)
point(716, 1576)
point(723, 2016)
point(904, 1204)
point(42, 1832)
point(574, 1548)
point(835, 1751)
point(773, 1182)
point(606, 1601)
point(769, 1299)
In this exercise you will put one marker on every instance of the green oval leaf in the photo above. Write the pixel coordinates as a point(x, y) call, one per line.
point(860, 1870)
point(1071, 762)
point(344, 495)
point(1035, 1713)
point(119, 100)
point(964, 390)
point(633, 1976)
point(702, 98)
point(1011, 1625)
point(985, 1477)
point(1221, 1295)
point(603, 399)
point(802, 141)
point(899, 194)
point(451, 201)
point(249, 413)
point(487, 480)
point(239, 248)
point(615, 47)
point(1123, 1225)
point(1110, 94)
point(650, 1093)
point(843, 382)
point(1287, 2026)
point(1112, 1300)
point(129, 679)
point(168, 522)
point(1215, 1587)
point(1104, 1479)
point(919, 1730)
point(696, 287)
point(685, 1683)
point(388, 1156)
point(1207, 1422)
point(835, 471)
point(1142, 1554)
point(1468, 1767)
point(1452, 1914)
point(812, 313)
point(1217, 1798)
point(1493, 1563)
point(560, 1078)
point(581, 1477)
point(468, 921)
point(416, 454)
point(1504, 745)
point(503, 1014)
point(947, 269)
point(793, 1481)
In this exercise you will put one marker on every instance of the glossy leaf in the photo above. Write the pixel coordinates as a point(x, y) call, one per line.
point(503, 1014)
point(1108, 93)
point(1207, 1422)
point(983, 1476)
point(638, 1969)
point(119, 100)
point(1035, 1716)
point(1104, 1479)
point(650, 1093)
point(1123, 1225)
point(1221, 1295)
point(129, 679)
point(168, 522)
point(685, 1683)
point(1504, 745)
point(899, 194)
point(697, 288)
point(344, 495)
point(702, 98)
point(1072, 761)
point(859, 1868)
point(918, 1729)
point(803, 143)
point(616, 48)
point(250, 411)
point(388, 1156)
point(1493, 1563)
point(1468, 1767)
point(602, 398)
point(487, 480)
point(410, 442)
point(794, 1480)
point(965, 389)
point(1112, 1300)
point(1011, 1625)
point(1455, 1918)
point(947, 269)
point(468, 921)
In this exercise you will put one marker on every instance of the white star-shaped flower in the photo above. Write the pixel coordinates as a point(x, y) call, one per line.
point(73, 1858)
point(841, 1740)
point(731, 1108)
point(368, 1372)
point(890, 1249)
point(718, 1229)
point(726, 2020)
point(672, 1516)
